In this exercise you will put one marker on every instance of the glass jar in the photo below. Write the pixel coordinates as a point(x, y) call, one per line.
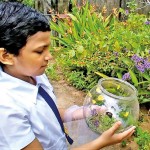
point(109, 101)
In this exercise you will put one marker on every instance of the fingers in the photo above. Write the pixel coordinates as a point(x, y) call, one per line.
point(99, 109)
point(122, 136)
point(127, 133)
point(119, 137)
point(78, 114)
point(130, 134)
point(115, 127)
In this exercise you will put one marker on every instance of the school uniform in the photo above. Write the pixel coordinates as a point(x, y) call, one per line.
point(25, 115)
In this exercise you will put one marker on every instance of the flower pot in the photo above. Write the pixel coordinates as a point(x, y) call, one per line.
point(109, 101)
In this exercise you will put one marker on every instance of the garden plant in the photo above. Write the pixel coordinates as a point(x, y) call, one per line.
point(91, 45)
point(116, 99)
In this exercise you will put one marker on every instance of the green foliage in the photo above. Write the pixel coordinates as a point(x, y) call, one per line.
point(93, 44)
point(132, 5)
point(78, 79)
point(123, 144)
point(143, 139)
point(100, 123)
point(51, 72)
point(29, 2)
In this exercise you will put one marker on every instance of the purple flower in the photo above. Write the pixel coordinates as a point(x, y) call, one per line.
point(93, 112)
point(140, 63)
point(146, 64)
point(127, 12)
point(126, 76)
point(96, 123)
point(149, 51)
point(136, 58)
point(147, 22)
point(116, 54)
point(140, 67)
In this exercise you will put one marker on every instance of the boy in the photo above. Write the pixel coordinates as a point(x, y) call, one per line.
point(27, 121)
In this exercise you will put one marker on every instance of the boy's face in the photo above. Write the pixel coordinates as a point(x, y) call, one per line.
point(33, 57)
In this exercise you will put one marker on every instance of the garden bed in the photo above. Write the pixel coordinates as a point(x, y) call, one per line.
point(67, 96)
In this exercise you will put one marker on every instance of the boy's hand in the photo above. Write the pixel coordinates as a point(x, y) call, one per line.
point(109, 137)
point(79, 113)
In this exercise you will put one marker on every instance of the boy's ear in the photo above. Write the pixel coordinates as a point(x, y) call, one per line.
point(5, 57)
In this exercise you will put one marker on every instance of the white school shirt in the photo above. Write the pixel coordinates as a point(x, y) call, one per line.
point(24, 115)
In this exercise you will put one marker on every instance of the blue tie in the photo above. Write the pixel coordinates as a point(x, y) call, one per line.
point(52, 105)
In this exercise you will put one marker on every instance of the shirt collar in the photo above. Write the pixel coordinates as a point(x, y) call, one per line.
point(19, 87)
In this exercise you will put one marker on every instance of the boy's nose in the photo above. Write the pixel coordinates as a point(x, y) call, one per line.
point(48, 56)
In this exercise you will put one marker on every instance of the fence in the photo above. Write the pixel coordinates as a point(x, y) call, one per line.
point(143, 5)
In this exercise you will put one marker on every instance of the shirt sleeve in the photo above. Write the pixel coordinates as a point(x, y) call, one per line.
point(15, 129)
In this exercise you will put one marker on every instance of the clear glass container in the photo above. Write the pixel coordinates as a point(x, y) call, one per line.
point(109, 101)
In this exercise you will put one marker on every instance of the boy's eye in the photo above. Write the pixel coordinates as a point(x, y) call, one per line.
point(39, 52)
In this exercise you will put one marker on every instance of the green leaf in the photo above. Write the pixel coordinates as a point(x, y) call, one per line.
point(146, 76)
point(133, 77)
point(108, 20)
point(127, 61)
point(144, 82)
point(119, 75)
point(57, 28)
point(80, 49)
point(71, 53)
point(144, 101)
point(144, 92)
point(101, 74)
point(120, 69)
point(117, 46)
point(73, 17)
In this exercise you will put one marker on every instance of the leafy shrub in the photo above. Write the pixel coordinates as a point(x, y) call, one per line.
point(143, 139)
point(91, 44)
point(28, 2)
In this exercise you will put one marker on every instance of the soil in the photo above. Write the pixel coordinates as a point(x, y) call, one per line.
point(67, 96)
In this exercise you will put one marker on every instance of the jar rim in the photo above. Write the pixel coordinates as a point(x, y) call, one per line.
point(121, 81)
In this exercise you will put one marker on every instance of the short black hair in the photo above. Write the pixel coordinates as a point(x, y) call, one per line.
point(17, 23)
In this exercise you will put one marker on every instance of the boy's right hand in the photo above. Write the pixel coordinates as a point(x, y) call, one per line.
point(110, 136)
